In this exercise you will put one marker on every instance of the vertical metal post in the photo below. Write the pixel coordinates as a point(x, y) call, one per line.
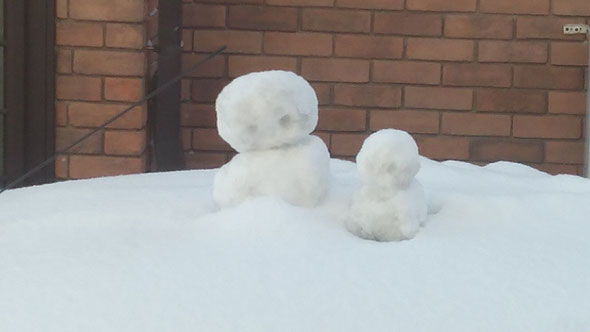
point(587, 133)
point(167, 137)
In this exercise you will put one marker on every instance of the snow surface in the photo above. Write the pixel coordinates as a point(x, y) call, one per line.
point(390, 205)
point(264, 110)
point(298, 173)
point(507, 250)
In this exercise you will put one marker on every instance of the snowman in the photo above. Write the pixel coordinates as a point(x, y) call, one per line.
point(390, 204)
point(267, 117)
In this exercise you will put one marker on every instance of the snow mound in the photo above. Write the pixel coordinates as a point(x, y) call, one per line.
point(298, 173)
point(265, 110)
point(391, 205)
point(507, 251)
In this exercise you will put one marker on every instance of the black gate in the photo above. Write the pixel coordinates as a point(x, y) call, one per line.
point(27, 122)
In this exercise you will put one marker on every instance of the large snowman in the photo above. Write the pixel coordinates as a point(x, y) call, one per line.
point(390, 204)
point(267, 117)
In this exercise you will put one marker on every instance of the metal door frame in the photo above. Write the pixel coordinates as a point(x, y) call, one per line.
point(29, 87)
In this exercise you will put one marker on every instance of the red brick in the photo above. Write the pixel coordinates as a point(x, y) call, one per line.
point(571, 7)
point(532, 7)
point(501, 51)
point(475, 124)
point(406, 72)
point(263, 18)
point(544, 77)
point(185, 90)
point(544, 28)
point(187, 40)
point(323, 92)
point(196, 15)
point(443, 147)
point(204, 160)
point(567, 102)
point(250, 2)
point(301, 3)
point(371, 4)
point(572, 54)
point(108, 10)
point(124, 142)
point(186, 135)
point(64, 61)
point(125, 35)
point(123, 89)
point(423, 122)
point(336, 70)
point(299, 43)
point(61, 8)
point(94, 166)
point(95, 115)
point(336, 20)
point(520, 101)
point(325, 136)
point(243, 64)
point(373, 47)
point(564, 152)
point(470, 26)
point(346, 144)
point(511, 150)
point(439, 98)
point(342, 120)
point(206, 90)
point(213, 68)
point(61, 167)
point(119, 62)
point(367, 95)
point(557, 168)
point(236, 41)
point(65, 137)
point(61, 113)
point(439, 49)
point(477, 75)
point(78, 33)
point(412, 24)
point(553, 126)
point(78, 88)
point(208, 139)
point(198, 115)
point(442, 5)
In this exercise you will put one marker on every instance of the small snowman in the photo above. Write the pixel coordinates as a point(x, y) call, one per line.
point(267, 117)
point(390, 205)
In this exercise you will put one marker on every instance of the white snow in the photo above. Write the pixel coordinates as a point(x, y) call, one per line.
point(297, 173)
point(507, 250)
point(265, 110)
point(390, 205)
point(267, 117)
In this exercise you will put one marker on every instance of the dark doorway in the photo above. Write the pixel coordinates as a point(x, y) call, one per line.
point(27, 122)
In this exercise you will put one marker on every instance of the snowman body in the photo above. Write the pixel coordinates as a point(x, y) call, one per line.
point(267, 117)
point(390, 204)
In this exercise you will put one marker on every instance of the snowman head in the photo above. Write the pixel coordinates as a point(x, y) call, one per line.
point(388, 158)
point(265, 110)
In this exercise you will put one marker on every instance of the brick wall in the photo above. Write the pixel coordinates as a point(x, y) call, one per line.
point(477, 80)
point(101, 65)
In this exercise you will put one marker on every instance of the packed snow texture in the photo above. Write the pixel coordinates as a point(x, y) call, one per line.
point(265, 110)
point(507, 251)
point(390, 205)
point(389, 159)
point(267, 117)
point(298, 173)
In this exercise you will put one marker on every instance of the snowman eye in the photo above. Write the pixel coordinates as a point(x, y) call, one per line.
point(285, 121)
point(252, 129)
